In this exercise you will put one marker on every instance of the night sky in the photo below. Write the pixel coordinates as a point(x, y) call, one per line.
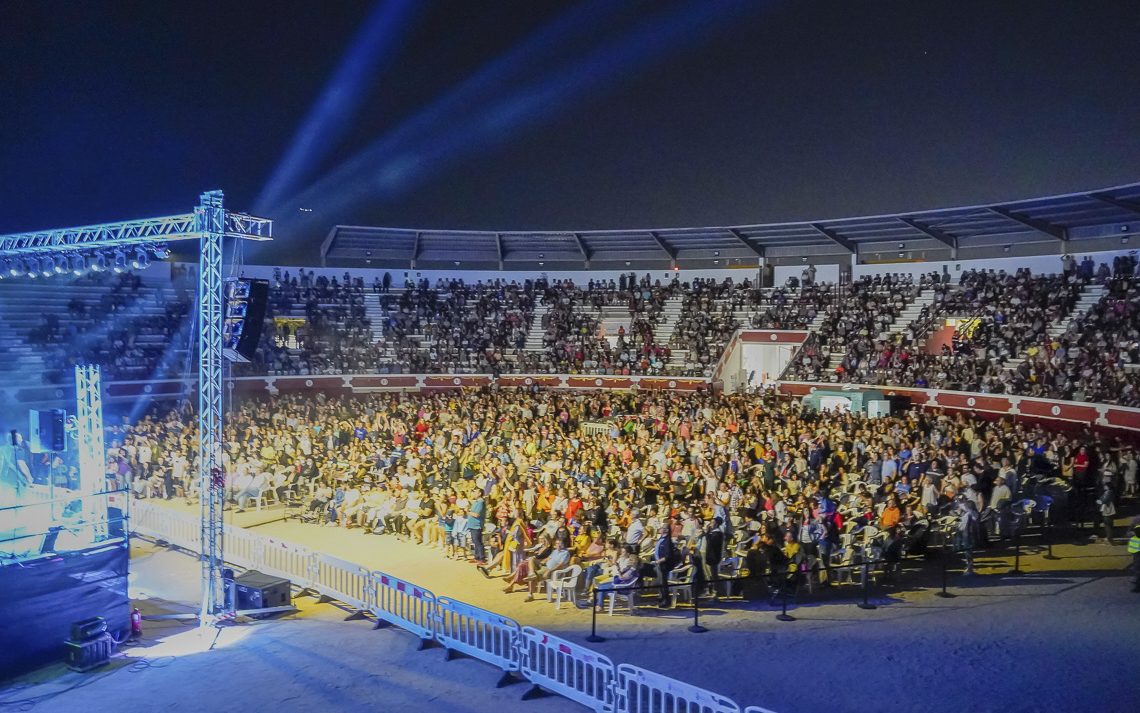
point(650, 114)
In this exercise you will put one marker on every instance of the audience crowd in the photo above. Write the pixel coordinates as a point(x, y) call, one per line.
point(511, 480)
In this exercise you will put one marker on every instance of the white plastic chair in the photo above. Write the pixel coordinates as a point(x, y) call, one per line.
point(563, 584)
point(624, 590)
point(730, 569)
point(681, 576)
point(262, 497)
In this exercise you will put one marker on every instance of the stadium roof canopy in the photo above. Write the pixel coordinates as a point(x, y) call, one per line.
point(1054, 224)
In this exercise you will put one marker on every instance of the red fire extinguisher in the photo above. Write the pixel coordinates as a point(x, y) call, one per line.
point(136, 623)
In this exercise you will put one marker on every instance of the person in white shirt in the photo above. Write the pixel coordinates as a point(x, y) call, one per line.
point(243, 488)
point(352, 506)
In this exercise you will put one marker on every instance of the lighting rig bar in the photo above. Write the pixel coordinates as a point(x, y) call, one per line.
point(144, 233)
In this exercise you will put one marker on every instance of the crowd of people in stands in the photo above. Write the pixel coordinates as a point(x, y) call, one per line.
point(324, 325)
point(133, 331)
point(715, 483)
point(1002, 343)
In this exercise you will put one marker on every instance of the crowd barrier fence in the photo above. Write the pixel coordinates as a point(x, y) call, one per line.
point(402, 603)
point(568, 669)
point(642, 691)
point(546, 661)
point(479, 633)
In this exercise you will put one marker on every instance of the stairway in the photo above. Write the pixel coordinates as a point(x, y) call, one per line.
point(1090, 295)
point(670, 313)
point(909, 314)
point(376, 315)
point(535, 331)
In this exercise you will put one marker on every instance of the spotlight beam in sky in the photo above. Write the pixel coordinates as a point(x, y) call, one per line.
point(379, 173)
point(371, 50)
point(569, 32)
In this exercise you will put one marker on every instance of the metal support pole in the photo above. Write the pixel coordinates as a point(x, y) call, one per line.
point(945, 566)
point(593, 637)
point(1048, 534)
point(211, 480)
point(696, 628)
point(1016, 548)
point(92, 451)
point(784, 615)
point(866, 604)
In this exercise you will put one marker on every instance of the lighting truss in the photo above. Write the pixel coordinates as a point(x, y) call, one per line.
point(210, 224)
point(92, 450)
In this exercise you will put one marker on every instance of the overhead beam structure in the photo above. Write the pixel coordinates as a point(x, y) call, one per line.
point(670, 251)
point(582, 248)
point(210, 224)
point(834, 237)
point(1039, 225)
point(930, 231)
point(1119, 203)
point(744, 241)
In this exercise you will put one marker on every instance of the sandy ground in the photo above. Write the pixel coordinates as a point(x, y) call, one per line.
point(1063, 636)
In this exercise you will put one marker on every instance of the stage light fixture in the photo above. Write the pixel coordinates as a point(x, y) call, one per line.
point(97, 262)
point(78, 264)
point(120, 264)
point(141, 260)
point(47, 267)
point(60, 265)
point(16, 268)
point(161, 252)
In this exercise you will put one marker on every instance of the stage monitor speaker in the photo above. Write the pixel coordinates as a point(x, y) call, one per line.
point(47, 432)
point(88, 629)
point(255, 590)
point(246, 300)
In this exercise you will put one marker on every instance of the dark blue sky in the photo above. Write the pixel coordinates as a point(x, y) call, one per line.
point(789, 110)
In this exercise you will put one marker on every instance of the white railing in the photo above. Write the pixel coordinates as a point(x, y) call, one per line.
point(478, 633)
point(402, 603)
point(546, 661)
point(568, 669)
point(642, 691)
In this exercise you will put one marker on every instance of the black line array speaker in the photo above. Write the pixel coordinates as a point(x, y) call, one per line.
point(246, 300)
point(47, 434)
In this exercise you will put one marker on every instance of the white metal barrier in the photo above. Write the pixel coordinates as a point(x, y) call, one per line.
point(641, 691)
point(177, 528)
point(404, 604)
point(242, 547)
point(344, 581)
point(286, 560)
point(568, 669)
point(479, 633)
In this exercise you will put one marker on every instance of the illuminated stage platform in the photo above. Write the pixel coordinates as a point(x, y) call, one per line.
point(63, 559)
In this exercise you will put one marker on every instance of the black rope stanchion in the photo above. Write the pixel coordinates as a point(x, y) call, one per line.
point(866, 604)
point(784, 615)
point(593, 638)
point(1048, 534)
point(696, 628)
point(945, 567)
point(1016, 549)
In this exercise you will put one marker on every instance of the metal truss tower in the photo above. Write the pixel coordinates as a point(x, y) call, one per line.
point(92, 451)
point(210, 224)
point(211, 484)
